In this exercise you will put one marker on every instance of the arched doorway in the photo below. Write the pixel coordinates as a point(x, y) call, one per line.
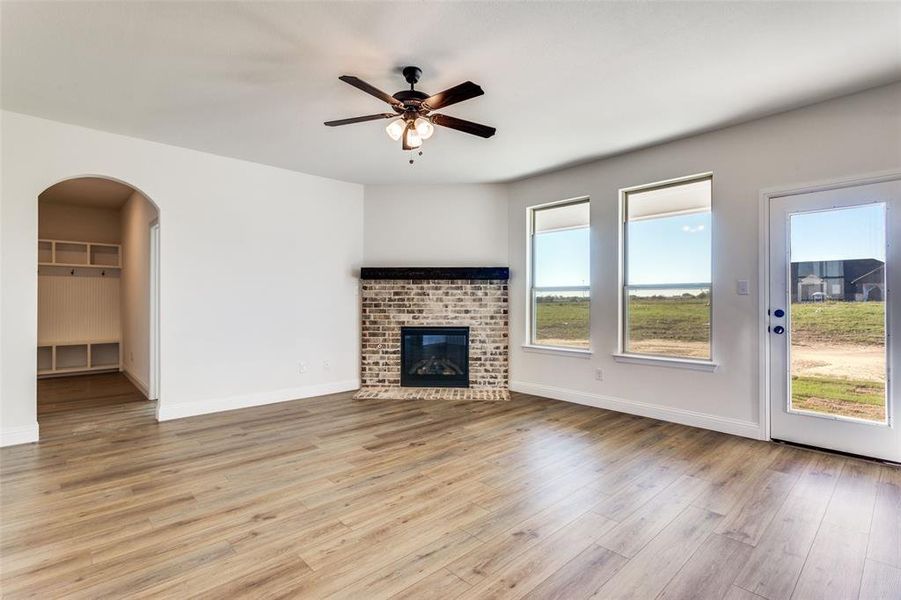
point(98, 324)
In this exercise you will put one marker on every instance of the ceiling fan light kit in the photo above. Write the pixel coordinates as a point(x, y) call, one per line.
point(413, 119)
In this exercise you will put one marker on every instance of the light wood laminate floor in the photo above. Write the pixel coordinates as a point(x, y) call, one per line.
point(335, 498)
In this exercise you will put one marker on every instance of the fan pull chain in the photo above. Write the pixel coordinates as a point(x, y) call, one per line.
point(411, 156)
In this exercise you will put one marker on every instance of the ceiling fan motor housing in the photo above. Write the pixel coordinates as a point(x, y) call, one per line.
point(410, 99)
point(412, 74)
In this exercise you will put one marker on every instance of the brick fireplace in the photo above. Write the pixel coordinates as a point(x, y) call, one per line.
point(433, 300)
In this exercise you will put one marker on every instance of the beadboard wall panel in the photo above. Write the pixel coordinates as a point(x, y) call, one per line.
point(74, 308)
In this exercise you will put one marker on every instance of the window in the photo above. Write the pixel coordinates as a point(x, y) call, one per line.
point(560, 250)
point(666, 302)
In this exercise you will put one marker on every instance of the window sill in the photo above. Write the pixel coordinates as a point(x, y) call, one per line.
point(557, 350)
point(660, 361)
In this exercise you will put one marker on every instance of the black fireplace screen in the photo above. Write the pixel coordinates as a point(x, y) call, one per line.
point(434, 357)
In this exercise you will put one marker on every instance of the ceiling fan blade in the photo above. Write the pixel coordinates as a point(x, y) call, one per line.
point(370, 89)
point(458, 93)
point(360, 119)
point(464, 126)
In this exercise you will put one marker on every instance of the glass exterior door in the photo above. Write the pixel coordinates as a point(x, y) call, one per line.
point(831, 318)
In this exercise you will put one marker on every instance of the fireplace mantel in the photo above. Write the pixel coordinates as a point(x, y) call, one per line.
point(436, 273)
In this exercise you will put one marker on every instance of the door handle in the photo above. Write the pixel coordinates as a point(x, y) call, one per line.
point(778, 329)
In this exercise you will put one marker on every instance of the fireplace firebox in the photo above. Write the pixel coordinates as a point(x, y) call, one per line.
point(434, 357)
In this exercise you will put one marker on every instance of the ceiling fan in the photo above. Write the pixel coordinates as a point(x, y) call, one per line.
point(413, 117)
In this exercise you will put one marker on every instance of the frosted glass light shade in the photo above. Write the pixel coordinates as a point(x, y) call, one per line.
point(396, 128)
point(412, 138)
point(424, 128)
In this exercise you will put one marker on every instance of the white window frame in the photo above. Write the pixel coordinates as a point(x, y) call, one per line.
point(532, 291)
point(622, 355)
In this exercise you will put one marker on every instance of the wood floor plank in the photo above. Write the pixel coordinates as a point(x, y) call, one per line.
point(885, 529)
point(440, 585)
point(646, 575)
point(332, 497)
point(496, 552)
point(409, 570)
point(880, 581)
point(581, 577)
point(737, 593)
point(851, 506)
point(630, 536)
point(710, 571)
point(538, 563)
point(747, 522)
point(776, 562)
point(834, 565)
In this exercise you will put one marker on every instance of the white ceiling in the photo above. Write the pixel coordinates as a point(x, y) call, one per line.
point(94, 192)
point(564, 82)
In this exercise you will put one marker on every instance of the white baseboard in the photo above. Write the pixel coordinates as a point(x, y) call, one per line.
point(13, 436)
point(138, 382)
point(179, 410)
point(739, 427)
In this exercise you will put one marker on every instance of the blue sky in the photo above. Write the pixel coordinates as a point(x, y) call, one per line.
point(670, 250)
point(561, 258)
point(857, 232)
point(677, 249)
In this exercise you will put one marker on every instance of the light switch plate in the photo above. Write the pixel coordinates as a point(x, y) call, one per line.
point(742, 287)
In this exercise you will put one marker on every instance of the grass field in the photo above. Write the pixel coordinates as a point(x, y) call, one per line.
point(683, 319)
point(679, 323)
point(860, 323)
point(836, 395)
point(562, 321)
point(681, 327)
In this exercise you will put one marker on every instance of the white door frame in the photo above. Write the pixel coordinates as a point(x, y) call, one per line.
point(763, 298)
point(154, 329)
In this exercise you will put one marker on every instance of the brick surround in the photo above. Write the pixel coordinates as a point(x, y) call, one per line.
point(389, 304)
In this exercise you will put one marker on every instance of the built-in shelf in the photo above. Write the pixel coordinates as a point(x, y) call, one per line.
point(66, 253)
point(45, 251)
point(58, 358)
point(89, 301)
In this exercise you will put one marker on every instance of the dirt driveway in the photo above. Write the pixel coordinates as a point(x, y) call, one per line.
point(848, 361)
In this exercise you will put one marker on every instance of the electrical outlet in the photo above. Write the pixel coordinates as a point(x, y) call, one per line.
point(302, 367)
point(599, 374)
point(326, 365)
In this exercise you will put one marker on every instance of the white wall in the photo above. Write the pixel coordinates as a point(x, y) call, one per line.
point(435, 225)
point(850, 136)
point(136, 216)
point(247, 290)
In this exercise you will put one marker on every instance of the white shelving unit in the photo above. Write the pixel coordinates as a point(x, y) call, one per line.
point(91, 304)
point(66, 253)
point(76, 357)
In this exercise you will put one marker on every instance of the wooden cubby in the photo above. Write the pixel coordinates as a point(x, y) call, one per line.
point(70, 253)
point(104, 355)
point(45, 359)
point(104, 255)
point(70, 357)
point(66, 253)
point(45, 251)
point(77, 357)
